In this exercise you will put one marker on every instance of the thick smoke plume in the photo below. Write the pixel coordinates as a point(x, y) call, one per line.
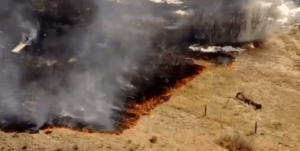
point(88, 59)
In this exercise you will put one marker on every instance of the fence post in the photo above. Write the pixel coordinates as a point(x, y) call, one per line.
point(205, 110)
point(255, 127)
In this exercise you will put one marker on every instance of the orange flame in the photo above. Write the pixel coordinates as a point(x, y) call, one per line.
point(138, 110)
point(145, 107)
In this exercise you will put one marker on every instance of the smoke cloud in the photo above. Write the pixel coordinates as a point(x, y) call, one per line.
point(89, 58)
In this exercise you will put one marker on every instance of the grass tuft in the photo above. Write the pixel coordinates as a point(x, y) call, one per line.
point(235, 143)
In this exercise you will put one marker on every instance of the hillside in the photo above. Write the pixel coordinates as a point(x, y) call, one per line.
point(268, 74)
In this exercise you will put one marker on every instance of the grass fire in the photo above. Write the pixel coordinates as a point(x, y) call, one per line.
point(105, 66)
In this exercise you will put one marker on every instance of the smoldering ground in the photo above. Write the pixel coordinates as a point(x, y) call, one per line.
point(81, 67)
point(89, 59)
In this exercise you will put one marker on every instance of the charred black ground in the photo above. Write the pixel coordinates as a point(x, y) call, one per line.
point(46, 63)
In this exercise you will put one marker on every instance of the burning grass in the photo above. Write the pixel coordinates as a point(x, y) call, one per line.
point(147, 81)
point(137, 110)
point(224, 57)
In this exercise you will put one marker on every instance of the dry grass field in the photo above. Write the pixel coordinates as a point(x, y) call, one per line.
point(269, 75)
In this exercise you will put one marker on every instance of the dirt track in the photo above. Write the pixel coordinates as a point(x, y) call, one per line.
point(269, 75)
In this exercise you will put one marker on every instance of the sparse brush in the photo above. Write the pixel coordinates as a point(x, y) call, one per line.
point(235, 143)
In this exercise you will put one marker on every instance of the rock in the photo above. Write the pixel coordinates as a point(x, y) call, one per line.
point(153, 139)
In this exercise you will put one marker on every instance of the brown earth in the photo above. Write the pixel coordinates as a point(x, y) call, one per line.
point(269, 75)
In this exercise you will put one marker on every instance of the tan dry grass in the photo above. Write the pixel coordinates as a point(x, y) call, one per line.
point(235, 142)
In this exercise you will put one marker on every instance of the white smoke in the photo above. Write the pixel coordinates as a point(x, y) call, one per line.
point(110, 45)
point(266, 16)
